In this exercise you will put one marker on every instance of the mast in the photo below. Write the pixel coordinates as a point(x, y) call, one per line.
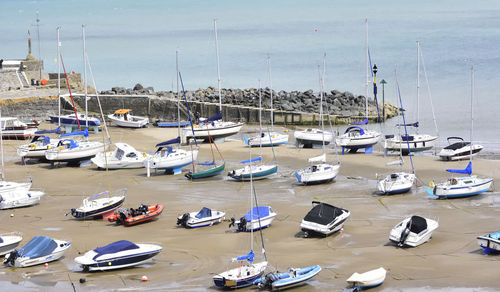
point(178, 98)
point(85, 76)
point(471, 112)
point(321, 106)
point(251, 199)
point(260, 111)
point(367, 69)
point(271, 87)
point(218, 66)
point(58, 76)
point(1, 143)
point(418, 82)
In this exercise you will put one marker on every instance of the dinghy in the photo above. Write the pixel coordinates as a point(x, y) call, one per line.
point(213, 167)
point(490, 242)
point(255, 219)
point(117, 255)
point(124, 156)
point(96, 206)
point(259, 171)
point(292, 278)
point(39, 250)
point(129, 217)
point(413, 231)
point(368, 279)
point(39, 145)
point(205, 217)
point(459, 150)
point(9, 241)
point(323, 219)
point(123, 118)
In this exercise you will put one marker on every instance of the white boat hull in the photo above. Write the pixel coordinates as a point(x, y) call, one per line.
point(317, 174)
point(9, 242)
point(421, 142)
point(85, 150)
point(266, 140)
point(413, 240)
point(242, 276)
point(23, 262)
point(218, 129)
point(349, 141)
point(193, 222)
point(460, 154)
point(369, 279)
point(309, 137)
point(131, 122)
point(171, 161)
point(396, 183)
point(458, 187)
point(108, 160)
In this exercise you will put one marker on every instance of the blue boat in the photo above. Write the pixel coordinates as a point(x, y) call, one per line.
point(71, 120)
point(291, 278)
point(257, 218)
point(171, 124)
point(490, 242)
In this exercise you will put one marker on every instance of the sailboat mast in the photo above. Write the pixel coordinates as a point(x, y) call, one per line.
point(471, 112)
point(260, 111)
point(218, 66)
point(178, 98)
point(58, 77)
point(418, 82)
point(2, 125)
point(321, 107)
point(251, 199)
point(367, 68)
point(271, 89)
point(85, 76)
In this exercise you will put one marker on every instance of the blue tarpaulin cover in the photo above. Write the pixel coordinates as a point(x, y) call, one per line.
point(204, 213)
point(72, 143)
point(1, 240)
point(168, 142)
point(252, 160)
point(257, 212)
point(217, 117)
point(361, 123)
point(467, 170)
point(39, 246)
point(210, 163)
point(77, 133)
point(55, 131)
point(115, 247)
point(361, 131)
point(249, 257)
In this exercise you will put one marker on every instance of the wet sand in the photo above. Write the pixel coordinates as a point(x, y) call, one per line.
point(191, 257)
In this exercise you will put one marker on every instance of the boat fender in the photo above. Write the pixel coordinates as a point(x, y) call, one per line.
point(33, 146)
point(60, 148)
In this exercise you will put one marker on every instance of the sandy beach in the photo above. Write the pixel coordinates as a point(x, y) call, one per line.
point(191, 257)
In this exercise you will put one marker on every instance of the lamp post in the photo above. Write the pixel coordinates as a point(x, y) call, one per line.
point(375, 70)
point(383, 82)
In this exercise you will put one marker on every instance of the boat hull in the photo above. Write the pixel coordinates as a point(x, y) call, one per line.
point(418, 144)
point(448, 191)
point(29, 198)
point(489, 242)
point(67, 120)
point(310, 177)
point(258, 172)
point(206, 173)
point(120, 263)
point(132, 122)
point(229, 278)
point(205, 131)
point(275, 139)
point(93, 214)
point(82, 152)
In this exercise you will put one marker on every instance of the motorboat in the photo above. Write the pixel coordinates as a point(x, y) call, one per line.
point(213, 127)
point(39, 250)
point(117, 255)
point(124, 156)
point(293, 277)
point(490, 242)
point(317, 173)
point(242, 276)
point(368, 279)
point(323, 219)
point(355, 138)
point(257, 218)
point(97, 206)
point(123, 118)
point(311, 136)
point(9, 242)
point(170, 159)
point(40, 143)
point(129, 217)
point(415, 143)
point(15, 195)
point(459, 150)
point(205, 217)
point(13, 128)
point(396, 183)
point(71, 119)
point(413, 231)
point(74, 151)
point(257, 171)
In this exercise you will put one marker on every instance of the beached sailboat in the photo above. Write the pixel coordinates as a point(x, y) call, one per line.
point(123, 118)
point(464, 186)
point(214, 126)
point(213, 169)
point(415, 142)
point(254, 169)
point(355, 137)
point(40, 143)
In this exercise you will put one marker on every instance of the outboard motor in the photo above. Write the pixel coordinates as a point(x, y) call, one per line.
point(121, 219)
point(11, 259)
point(232, 222)
point(242, 226)
point(183, 220)
point(1, 198)
point(404, 234)
point(73, 212)
point(268, 281)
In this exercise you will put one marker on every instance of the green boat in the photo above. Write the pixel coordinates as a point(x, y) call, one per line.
point(207, 172)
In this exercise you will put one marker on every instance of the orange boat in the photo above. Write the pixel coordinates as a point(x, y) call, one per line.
point(129, 217)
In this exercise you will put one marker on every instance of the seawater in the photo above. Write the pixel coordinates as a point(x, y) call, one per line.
point(132, 42)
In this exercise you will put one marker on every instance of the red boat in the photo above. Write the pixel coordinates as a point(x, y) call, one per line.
point(129, 217)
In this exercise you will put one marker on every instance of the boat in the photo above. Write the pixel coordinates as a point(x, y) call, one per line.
point(459, 150)
point(212, 171)
point(117, 255)
point(490, 242)
point(413, 231)
point(129, 217)
point(9, 242)
point(170, 160)
point(123, 118)
point(205, 217)
point(293, 277)
point(75, 151)
point(310, 137)
point(323, 219)
point(71, 120)
point(257, 218)
point(13, 128)
point(253, 171)
point(124, 156)
point(39, 250)
point(97, 206)
point(214, 126)
point(464, 186)
point(40, 143)
point(166, 124)
point(367, 280)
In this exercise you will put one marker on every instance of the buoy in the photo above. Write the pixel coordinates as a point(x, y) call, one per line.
point(46, 265)
point(11, 214)
point(82, 280)
point(315, 29)
point(144, 278)
point(43, 82)
point(342, 232)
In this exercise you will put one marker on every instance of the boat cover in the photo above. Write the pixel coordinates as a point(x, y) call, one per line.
point(417, 224)
point(252, 160)
point(99, 194)
point(323, 214)
point(77, 133)
point(55, 131)
point(204, 213)
point(115, 247)
point(45, 140)
point(257, 212)
point(409, 125)
point(467, 170)
point(168, 142)
point(122, 111)
point(39, 246)
point(407, 138)
point(249, 257)
point(361, 123)
point(361, 131)
point(72, 143)
point(216, 117)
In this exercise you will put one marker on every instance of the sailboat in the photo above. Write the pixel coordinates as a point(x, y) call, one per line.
point(272, 138)
point(355, 137)
point(399, 182)
point(416, 142)
point(214, 126)
point(319, 171)
point(248, 270)
point(463, 186)
point(213, 168)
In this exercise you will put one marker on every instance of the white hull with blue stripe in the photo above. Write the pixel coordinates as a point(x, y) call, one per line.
point(459, 187)
point(368, 279)
point(267, 140)
point(292, 278)
point(490, 242)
